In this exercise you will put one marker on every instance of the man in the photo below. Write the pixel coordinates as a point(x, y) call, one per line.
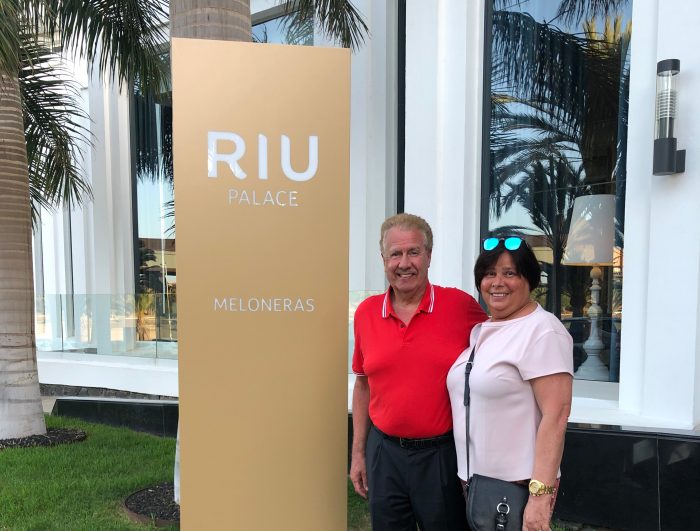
point(406, 340)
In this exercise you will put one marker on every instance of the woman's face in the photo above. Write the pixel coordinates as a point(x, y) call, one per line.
point(504, 289)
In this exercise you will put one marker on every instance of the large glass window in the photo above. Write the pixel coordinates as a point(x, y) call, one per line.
point(156, 296)
point(555, 158)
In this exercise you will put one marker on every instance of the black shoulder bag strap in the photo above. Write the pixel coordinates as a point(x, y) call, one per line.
point(467, 372)
point(502, 509)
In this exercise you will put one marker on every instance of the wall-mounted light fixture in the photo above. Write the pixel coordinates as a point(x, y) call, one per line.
point(667, 159)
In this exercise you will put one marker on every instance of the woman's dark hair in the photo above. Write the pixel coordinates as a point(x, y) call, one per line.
point(526, 263)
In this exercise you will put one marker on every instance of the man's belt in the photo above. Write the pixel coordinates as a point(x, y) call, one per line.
point(418, 444)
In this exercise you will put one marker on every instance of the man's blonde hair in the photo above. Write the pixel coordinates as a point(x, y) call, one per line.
point(407, 222)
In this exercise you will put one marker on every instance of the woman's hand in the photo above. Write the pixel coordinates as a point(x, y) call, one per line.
point(538, 512)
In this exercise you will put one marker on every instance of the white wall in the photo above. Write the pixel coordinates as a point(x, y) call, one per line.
point(137, 375)
point(661, 289)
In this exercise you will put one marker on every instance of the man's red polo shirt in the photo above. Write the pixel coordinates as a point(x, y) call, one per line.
point(406, 365)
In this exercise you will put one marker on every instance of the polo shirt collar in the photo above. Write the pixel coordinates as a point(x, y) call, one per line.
point(426, 304)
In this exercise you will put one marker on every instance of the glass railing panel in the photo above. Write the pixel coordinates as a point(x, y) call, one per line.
point(143, 326)
point(78, 324)
point(166, 325)
point(48, 323)
point(132, 326)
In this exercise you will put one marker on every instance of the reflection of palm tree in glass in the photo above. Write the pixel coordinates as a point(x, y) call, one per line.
point(144, 304)
point(153, 139)
point(546, 189)
point(558, 121)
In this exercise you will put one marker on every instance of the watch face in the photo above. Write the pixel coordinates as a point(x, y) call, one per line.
point(536, 487)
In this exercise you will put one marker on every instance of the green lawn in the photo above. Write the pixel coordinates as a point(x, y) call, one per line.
point(76, 487)
point(358, 512)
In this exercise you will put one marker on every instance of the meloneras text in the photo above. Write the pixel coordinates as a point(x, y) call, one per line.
point(263, 304)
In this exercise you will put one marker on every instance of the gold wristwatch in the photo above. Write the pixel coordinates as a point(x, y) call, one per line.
point(537, 488)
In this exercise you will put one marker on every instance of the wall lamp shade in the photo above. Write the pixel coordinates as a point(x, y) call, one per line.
point(667, 158)
point(591, 237)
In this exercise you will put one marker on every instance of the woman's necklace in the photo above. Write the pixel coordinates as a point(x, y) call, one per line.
point(519, 312)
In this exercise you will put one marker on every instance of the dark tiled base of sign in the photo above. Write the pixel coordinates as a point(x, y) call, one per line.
point(626, 479)
point(153, 416)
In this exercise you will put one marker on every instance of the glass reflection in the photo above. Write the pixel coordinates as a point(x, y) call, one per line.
point(288, 29)
point(559, 85)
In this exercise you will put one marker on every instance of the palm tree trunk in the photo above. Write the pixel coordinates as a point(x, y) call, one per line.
point(224, 20)
point(21, 413)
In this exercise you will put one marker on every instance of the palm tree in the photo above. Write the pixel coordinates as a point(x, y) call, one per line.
point(39, 128)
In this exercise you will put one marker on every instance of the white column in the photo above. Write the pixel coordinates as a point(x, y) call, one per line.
point(640, 135)
point(444, 50)
point(112, 236)
point(671, 369)
point(473, 141)
point(373, 115)
point(660, 373)
point(372, 142)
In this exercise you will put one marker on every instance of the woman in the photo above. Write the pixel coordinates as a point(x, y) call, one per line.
point(520, 384)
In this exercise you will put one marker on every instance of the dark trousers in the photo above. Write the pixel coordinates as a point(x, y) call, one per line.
point(409, 487)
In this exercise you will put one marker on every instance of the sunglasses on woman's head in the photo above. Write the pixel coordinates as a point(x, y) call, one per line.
point(511, 243)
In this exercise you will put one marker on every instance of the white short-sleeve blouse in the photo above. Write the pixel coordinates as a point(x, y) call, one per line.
point(504, 414)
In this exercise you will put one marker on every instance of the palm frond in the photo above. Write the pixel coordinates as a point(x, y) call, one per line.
point(339, 19)
point(298, 28)
point(539, 63)
point(576, 104)
point(263, 38)
point(55, 126)
point(574, 11)
point(153, 136)
point(533, 58)
point(509, 230)
point(126, 37)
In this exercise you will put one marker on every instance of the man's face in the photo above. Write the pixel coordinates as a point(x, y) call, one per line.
point(406, 260)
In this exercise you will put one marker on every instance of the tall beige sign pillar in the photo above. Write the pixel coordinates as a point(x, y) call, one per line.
point(261, 142)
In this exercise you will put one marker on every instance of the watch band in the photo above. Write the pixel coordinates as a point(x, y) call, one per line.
point(537, 488)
